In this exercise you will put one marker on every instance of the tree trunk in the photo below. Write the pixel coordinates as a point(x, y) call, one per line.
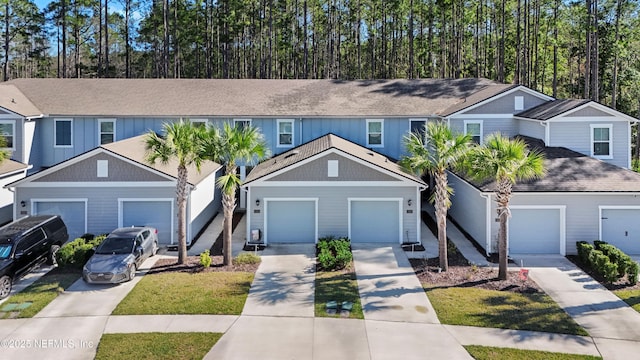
point(441, 197)
point(503, 196)
point(229, 204)
point(181, 195)
point(106, 38)
point(5, 65)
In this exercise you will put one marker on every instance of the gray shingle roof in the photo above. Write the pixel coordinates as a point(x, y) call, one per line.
point(241, 97)
point(10, 166)
point(134, 149)
point(320, 145)
point(570, 171)
point(552, 109)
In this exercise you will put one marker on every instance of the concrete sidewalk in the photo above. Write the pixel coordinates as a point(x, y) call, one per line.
point(389, 288)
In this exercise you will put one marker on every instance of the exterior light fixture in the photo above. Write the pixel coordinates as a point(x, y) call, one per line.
point(22, 203)
point(409, 202)
point(258, 202)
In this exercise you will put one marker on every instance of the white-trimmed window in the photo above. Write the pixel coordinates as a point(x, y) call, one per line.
point(518, 103)
point(7, 130)
point(199, 122)
point(474, 129)
point(285, 133)
point(418, 126)
point(375, 132)
point(242, 123)
point(601, 143)
point(63, 133)
point(106, 131)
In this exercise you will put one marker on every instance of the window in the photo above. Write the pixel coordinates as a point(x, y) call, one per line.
point(107, 131)
point(332, 168)
point(242, 123)
point(7, 131)
point(63, 133)
point(375, 133)
point(601, 141)
point(418, 126)
point(199, 122)
point(285, 133)
point(519, 103)
point(103, 168)
point(474, 128)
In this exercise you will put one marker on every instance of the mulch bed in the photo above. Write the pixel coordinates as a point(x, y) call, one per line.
point(192, 265)
point(216, 248)
point(621, 284)
point(461, 274)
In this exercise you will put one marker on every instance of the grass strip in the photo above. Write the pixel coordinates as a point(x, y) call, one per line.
point(39, 294)
point(631, 297)
point(496, 353)
point(337, 286)
point(218, 293)
point(501, 309)
point(156, 346)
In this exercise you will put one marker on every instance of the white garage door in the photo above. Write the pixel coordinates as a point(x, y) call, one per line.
point(73, 214)
point(535, 231)
point(149, 213)
point(621, 227)
point(375, 221)
point(291, 221)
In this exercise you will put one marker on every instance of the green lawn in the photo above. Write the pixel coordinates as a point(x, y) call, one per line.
point(220, 293)
point(631, 297)
point(337, 286)
point(156, 346)
point(501, 309)
point(39, 294)
point(495, 353)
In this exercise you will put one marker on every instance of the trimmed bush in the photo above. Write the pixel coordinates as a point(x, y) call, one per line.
point(76, 253)
point(584, 249)
point(598, 243)
point(632, 272)
point(247, 258)
point(334, 254)
point(205, 258)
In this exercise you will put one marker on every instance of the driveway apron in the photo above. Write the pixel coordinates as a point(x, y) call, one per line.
point(389, 288)
point(590, 304)
point(284, 282)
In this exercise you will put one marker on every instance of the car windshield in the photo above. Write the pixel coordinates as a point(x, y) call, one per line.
point(116, 245)
point(5, 251)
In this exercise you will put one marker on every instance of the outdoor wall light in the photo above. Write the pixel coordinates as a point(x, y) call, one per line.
point(409, 202)
point(22, 203)
point(257, 202)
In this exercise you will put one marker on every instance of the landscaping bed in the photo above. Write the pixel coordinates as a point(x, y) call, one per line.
point(192, 265)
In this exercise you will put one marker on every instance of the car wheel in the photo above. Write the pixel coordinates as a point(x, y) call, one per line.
point(51, 260)
point(132, 272)
point(5, 286)
point(154, 250)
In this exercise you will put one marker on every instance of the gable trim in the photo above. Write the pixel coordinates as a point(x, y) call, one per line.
point(615, 115)
point(499, 95)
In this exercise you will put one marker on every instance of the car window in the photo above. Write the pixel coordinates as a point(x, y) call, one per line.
point(30, 240)
point(5, 251)
point(145, 234)
point(116, 245)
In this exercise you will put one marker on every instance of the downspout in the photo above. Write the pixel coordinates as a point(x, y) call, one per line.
point(546, 132)
point(487, 197)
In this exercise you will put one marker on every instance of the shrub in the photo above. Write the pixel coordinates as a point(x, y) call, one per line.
point(76, 253)
point(334, 254)
point(593, 255)
point(584, 249)
point(597, 243)
point(632, 272)
point(205, 258)
point(247, 258)
point(610, 271)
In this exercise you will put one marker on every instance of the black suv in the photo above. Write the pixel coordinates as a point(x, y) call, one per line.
point(27, 242)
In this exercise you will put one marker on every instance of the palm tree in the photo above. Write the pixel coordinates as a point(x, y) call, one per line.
point(230, 146)
point(182, 143)
point(505, 161)
point(442, 151)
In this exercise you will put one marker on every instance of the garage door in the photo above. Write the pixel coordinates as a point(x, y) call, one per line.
point(375, 221)
point(291, 221)
point(534, 231)
point(150, 213)
point(73, 214)
point(621, 227)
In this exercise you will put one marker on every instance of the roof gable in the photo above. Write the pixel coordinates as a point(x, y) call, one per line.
point(570, 110)
point(488, 95)
point(321, 148)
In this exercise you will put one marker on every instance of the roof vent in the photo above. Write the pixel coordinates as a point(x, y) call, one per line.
point(370, 153)
point(292, 153)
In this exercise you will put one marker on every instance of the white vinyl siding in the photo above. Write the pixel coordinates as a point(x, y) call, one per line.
point(601, 141)
point(106, 131)
point(285, 133)
point(7, 130)
point(63, 133)
point(375, 133)
point(474, 129)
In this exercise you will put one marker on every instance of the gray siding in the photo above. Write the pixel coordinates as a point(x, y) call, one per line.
point(86, 170)
point(582, 214)
point(333, 206)
point(533, 129)
point(577, 136)
point(506, 104)
point(506, 126)
point(469, 209)
point(102, 204)
point(588, 111)
point(348, 170)
point(203, 190)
